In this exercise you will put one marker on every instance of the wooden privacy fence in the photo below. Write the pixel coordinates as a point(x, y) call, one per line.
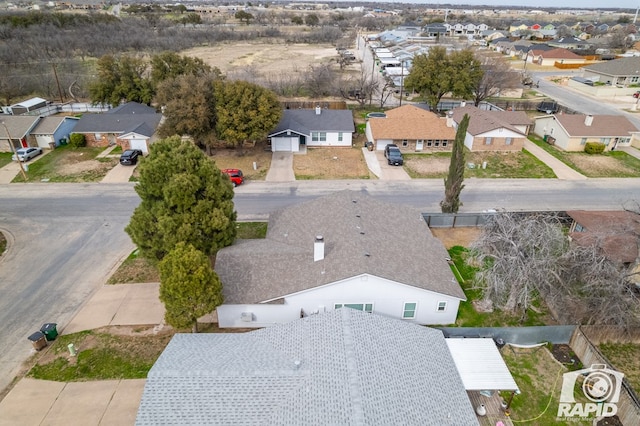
point(628, 404)
point(313, 104)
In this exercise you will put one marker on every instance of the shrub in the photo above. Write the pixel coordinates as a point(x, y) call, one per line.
point(77, 140)
point(594, 148)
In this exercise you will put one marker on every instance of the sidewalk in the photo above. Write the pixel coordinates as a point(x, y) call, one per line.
point(561, 170)
point(107, 402)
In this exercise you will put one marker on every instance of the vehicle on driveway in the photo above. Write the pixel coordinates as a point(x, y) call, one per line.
point(393, 155)
point(236, 176)
point(637, 94)
point(26, 154)
point(130, 157)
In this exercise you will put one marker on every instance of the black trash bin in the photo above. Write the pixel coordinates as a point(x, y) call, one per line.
point(38, 340)
point(50, 331)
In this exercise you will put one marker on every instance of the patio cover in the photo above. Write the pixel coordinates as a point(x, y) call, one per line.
point(480, 365)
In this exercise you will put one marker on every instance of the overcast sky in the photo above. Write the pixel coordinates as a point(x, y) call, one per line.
point(580, 4)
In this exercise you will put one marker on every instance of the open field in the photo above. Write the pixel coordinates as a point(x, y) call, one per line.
point(331, 163)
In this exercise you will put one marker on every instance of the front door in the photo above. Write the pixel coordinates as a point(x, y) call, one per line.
point(419, 144)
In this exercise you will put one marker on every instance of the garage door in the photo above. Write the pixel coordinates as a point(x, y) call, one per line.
point(43, 140)
point(281, 144)
point(139, 144)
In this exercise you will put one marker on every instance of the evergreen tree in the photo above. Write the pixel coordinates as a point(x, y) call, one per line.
point(189, 288)
point(453, 183)
point(185, 198)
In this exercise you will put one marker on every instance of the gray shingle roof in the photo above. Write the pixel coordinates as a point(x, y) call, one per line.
point(48, 125)
point(17, 125)
point(482, 121)
point(361, 234)
point(123, 119)
point(304, 121)
point(352, 368)
point(602, 125)
point(617, 67)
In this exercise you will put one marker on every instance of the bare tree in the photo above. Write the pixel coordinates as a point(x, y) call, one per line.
point(360, 87)
point(497, 76)
point(320, 80)
point(529, 256)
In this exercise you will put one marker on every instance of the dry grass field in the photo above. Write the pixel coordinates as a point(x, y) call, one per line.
point(331, 163)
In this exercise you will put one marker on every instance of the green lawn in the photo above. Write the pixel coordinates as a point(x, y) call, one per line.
point(622, 166)
point(5, 158)
point(468, 316)
point(625, 357)
point(251, 230)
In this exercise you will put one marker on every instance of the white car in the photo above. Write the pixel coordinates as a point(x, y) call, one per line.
point(26, 154)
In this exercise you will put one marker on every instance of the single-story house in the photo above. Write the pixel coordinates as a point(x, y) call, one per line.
point(618, 72)
point(571, 132)
point(615, 233)
point(549, 57)
point(131, 125)
point(571, 43)
point(16, 129)
point(342, 367)
point(412, 129)
point(51, 131)
point(314, 128)
point(343, 249)
point(493, 130)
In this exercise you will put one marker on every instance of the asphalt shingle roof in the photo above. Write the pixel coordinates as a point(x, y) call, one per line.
point(482, 121)
point(617, 67)
point(602, 125)
point(411, 122)
point(47, 125)
point(123, 119)
point(18, 126)
point(362, 236)
point(344, 367)
point(304, 121)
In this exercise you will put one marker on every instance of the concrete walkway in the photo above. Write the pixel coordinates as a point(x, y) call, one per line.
point(634, 152)
point(561, 170)
point(107, 402)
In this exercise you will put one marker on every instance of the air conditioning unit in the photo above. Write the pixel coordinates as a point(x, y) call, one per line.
point(246, 316)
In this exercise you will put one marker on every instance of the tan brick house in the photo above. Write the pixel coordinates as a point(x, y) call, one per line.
point(131, 125)
point(493, 130)
point(413, 129)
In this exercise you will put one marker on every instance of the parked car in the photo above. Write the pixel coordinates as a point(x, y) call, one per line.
point(26, 154)
point(130, 157)
point(637, 94)
point(236, 176)
point(393, 155)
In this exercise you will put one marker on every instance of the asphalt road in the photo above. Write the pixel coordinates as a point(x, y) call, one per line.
point(66, 239)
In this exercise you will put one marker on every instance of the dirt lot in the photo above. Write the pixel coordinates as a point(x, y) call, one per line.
point(267, 58)
point(451, 237)
point(331, 163)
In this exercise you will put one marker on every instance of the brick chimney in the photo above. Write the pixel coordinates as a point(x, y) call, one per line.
point(318, 248)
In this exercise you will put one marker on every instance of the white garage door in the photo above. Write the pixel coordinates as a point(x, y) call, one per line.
point(140, 144)
point(382, 143)
point(43, 140)
point(282, 144)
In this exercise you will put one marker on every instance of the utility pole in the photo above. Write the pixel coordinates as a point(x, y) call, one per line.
point(401, 81)
point(13, 149)
point(55, 73)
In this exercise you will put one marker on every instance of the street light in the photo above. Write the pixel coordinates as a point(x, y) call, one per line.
point(24, 175)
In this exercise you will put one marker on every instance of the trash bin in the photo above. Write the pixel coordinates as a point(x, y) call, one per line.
point(370, 146)
point(63, 141)
point(52, 145)
point(49, 330)
point(38, 340)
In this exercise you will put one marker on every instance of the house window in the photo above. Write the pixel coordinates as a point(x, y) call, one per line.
point(409, 310)
point(583, 141)
point(442, 306)
point(429, 143)
point(339, 136)
point(579, 228)
point(405, 142)
point(319, 136)
point(366, 307)
point(436, 142)
point(487, 141)
point(508, 141)
point(444, 144)
point(634, 79)
point(97, 136)
point(605, 141)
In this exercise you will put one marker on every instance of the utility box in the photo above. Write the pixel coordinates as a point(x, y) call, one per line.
point(38, 340)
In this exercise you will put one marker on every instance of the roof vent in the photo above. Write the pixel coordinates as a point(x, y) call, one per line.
point(296, 364)
point(366, 254)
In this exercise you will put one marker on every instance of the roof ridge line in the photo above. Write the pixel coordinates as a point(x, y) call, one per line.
point(358, 417)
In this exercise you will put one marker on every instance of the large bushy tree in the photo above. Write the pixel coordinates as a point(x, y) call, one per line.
point(453, 183)
point(437, 73)
point(185, 198)
point(168, 65)
point(245, 111)
point(121, 79)
point(189, 288)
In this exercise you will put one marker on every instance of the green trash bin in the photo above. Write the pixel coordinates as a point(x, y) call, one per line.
point(50, 331)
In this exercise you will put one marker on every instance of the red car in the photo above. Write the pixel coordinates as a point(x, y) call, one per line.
point(636, 95)
point(235, 175)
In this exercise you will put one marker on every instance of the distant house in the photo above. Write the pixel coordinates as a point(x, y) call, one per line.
point(493, 130)
point(550, 56)
point(412, 129)
point(571, 43)
point(571, 132)
point(15, 130)
point(27, 106)
point(615, 233)
point(337, 368)
point(618, 72)
point(314, 128)
point(52, 131)
point(131, 125)
point(435, 30)
point(345, 249)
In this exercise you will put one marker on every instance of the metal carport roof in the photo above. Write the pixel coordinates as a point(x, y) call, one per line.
point(480, 364)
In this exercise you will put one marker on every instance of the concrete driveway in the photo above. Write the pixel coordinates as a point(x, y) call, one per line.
point(281, 169)
point(388, 172)
point(119, 174)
